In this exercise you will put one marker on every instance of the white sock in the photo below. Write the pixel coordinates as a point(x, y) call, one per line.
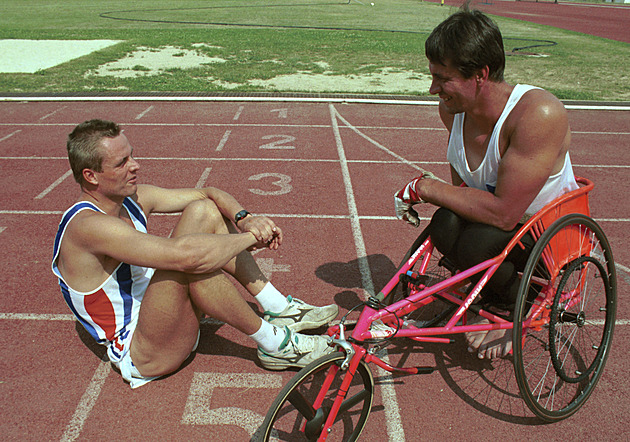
point(271, 300)
point(269, 337)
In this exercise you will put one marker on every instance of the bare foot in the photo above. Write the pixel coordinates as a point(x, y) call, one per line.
point(488, 344)
point(496, 344)
point(476, 338)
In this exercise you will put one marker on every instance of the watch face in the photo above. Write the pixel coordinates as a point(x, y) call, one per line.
point(240, 215)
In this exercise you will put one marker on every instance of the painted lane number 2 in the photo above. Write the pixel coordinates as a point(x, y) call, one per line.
point(281, 142)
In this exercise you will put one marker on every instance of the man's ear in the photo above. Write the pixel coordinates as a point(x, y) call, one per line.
point(482, 75)
point(89, 176)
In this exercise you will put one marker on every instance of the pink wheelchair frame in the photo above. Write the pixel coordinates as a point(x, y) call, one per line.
point(567, 300)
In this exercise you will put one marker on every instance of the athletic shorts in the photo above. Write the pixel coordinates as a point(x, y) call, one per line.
point(129, 371)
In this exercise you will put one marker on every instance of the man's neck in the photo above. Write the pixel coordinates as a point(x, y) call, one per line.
point(491, 101)
point(109, 206)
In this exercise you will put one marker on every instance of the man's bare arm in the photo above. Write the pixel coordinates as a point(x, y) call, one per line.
point(102, 235)
point(156, 199)
point(161, 200)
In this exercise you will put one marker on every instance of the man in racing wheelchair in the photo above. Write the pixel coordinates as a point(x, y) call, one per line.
point(509, 155)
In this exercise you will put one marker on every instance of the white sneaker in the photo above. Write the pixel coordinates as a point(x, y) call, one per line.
point(296, 350)
point(299, 315)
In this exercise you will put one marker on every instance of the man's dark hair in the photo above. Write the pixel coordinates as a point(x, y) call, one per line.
point(469, 40)
point(83, 146)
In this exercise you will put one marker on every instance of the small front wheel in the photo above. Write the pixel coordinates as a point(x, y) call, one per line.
point(300, 411)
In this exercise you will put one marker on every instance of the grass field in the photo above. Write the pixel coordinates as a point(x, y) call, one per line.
point(249, 44)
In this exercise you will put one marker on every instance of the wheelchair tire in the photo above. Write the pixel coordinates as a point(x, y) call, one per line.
point(292, 416)
point(559, 360)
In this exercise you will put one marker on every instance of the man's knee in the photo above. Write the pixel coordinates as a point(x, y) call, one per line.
point(479, 242)
point(202, 209)
point(203, 216)
point(444, 229)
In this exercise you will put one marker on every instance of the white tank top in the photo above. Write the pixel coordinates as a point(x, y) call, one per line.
point(485, 176)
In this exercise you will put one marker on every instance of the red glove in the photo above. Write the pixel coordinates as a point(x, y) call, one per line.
point(406, 197)
point(408, 194)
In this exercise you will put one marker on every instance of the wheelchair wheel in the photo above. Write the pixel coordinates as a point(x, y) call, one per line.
point(438, 269)
point(293, 417)
point(564, 320)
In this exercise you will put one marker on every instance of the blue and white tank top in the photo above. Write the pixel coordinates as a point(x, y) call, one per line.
point(109, 312)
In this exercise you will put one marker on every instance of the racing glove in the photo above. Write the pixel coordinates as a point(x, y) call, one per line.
point(407, 197)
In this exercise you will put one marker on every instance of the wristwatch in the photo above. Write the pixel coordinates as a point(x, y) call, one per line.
point(240, 215)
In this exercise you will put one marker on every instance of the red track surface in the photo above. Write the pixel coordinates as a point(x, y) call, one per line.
point(603, 20)
point(54, 382)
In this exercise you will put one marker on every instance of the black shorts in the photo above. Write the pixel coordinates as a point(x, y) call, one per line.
point(467, 244)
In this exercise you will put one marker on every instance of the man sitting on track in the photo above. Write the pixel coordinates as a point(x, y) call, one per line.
point(508, 145)
point(143, 295)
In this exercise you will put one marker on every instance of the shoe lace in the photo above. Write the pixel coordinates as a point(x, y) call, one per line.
point(302, 344)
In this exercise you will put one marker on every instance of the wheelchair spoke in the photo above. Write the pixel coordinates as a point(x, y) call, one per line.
point(301, 404)
point(301, 409)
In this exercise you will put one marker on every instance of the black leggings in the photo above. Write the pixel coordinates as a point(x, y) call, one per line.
point(467, 244)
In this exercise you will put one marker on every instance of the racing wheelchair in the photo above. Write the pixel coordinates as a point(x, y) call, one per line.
point(562, 325)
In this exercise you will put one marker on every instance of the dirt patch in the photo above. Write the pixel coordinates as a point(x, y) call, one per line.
point(150, 61)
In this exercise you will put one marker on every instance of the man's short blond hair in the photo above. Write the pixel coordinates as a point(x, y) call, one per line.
point(83, 146)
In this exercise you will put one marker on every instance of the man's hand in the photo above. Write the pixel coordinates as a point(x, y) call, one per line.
point(405, 212)
point(406, 197)
point(267, 234)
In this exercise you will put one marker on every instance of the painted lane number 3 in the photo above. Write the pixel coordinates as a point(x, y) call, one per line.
point(282, 182)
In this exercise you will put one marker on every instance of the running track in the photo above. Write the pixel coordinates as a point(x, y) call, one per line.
point(603, 20)
point(326, 172)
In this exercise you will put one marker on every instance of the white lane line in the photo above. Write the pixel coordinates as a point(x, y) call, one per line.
point(52, 113)
point(383, 148)
point(224, 139)
point(329, 100)
point(31, 212)
point(81, 413)
point(598, 133)
point(53, 185)
point(38, 316)
point(359, 244)
point(281, 125)
point(68, 317)
point(377, 144)
point(282, 215)
point(414, 164)
point(388, 392)
point(203, 178)
point(144, 112)
point(211, 321)
point(6, 137)
point(237, 115)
